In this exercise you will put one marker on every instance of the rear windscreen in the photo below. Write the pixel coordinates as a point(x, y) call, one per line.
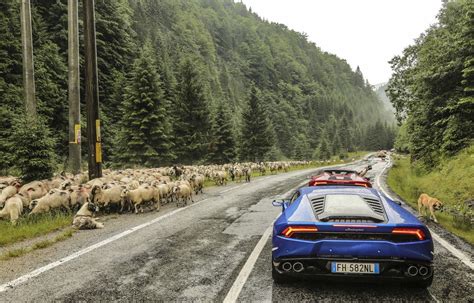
point(346, 204)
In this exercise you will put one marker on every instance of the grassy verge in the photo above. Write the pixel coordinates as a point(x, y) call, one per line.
point(14, 253)
point(31, 227)
point(452, 183)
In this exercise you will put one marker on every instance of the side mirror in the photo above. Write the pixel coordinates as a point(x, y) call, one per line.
point(398, 202)
point(277, 203)
point(283, 203)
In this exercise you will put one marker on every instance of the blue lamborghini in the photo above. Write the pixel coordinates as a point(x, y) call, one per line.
point(349, 232)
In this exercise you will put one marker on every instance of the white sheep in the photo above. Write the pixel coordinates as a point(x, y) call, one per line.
point(197, 183)
point(35, 189)
point(53, 200)
point(164, 192)
point(13, 208)
point(137, 197)
point(105, 197)
point(220, 177)
point(79, 195)
point(84, 218)
point(183, 192)
point(7, 192)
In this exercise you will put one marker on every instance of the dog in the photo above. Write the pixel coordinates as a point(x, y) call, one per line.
point(84, 218)
point(427, 202)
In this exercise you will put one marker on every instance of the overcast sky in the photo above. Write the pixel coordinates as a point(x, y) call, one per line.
point(367, 33)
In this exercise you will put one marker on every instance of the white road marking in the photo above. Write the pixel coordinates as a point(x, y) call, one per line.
point(453, 250)
point(239, 283)
point(38, 271)
point(434, 298)
point(247, 269)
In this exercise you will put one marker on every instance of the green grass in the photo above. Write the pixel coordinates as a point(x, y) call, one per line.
point(31, 227)
point(452, 183)
point(18, 252)
point(14, 253)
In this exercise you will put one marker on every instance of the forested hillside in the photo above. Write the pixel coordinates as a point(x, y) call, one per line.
point(390, 110)
point(191, 81)
point(432, 87)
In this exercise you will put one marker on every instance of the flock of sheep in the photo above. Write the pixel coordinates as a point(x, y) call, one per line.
point(120, 191)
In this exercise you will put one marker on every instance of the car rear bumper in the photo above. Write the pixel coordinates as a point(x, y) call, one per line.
point(390, 269)
point(421, 251)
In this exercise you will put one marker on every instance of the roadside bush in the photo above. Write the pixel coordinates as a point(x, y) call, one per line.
point(33, 149)
point(463, 217)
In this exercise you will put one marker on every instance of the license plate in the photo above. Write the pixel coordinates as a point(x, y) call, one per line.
point(355, 268)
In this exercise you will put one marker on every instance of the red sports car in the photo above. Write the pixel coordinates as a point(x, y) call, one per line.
point(340, 177)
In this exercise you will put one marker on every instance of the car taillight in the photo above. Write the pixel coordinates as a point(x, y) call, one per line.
point(290, 230)
point(419, 233)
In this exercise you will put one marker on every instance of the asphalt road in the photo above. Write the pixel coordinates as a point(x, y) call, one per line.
point(196, 254)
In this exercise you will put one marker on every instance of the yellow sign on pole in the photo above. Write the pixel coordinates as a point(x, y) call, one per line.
point(98, 152)
point(77, 133)
point(97, 130)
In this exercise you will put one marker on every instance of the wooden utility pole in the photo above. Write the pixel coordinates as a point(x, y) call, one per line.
point(27, 51)
point(73, 89)
point(92, 92)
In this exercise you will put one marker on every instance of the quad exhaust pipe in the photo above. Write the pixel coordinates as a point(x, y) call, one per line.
point(296, 267)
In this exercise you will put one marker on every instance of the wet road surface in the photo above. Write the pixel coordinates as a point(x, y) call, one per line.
point(197, 253)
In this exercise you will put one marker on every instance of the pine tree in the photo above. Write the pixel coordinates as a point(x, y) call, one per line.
point(359, 78)
point(257, 137)
point(323, 152)
point(33, 146)
point(336, 145)
point(223, 145)
point(302, 150)
point(345, 135)
point(191, 114)
point(51, 87)
point(145, 127)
